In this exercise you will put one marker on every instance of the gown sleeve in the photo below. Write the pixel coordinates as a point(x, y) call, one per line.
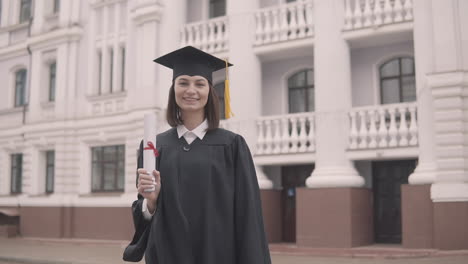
point(136, 249)
point(251, 242)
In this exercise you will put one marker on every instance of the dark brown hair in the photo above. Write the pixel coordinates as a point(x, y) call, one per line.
point(174, 117)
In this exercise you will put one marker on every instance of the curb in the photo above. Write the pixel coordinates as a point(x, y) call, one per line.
point(32, 261)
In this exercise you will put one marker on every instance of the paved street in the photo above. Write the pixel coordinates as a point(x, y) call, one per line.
point(14, 251)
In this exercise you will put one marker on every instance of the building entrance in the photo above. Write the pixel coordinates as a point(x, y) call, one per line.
point(387, 178)
point(291, 178)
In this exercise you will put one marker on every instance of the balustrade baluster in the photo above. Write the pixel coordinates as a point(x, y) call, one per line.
point(413, 129)
point(285, 136)
point(378, 13)
point(357, 14)
point(403, 129)
point(388, 12)
point(277, 137)
point(301, 20)
point(275, 31)
point(268, 137)
point(302, 134)
point(311, 135)
point(383, 130)
point(398, 10)
point(348, 16)
point(367, 15)
point(362, 129)
point(353, 135)
point(392, 131)
point(372, 129)
point(293, 23)
point(294, 136)
point(260, 138)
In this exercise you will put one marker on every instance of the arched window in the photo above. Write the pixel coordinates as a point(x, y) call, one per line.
point(301, 91)
point(397, 81)
point(220, 92)
point(20, 87)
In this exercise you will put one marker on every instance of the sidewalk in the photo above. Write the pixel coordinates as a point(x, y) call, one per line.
point(41, 251)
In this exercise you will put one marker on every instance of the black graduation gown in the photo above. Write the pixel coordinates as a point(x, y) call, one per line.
point(209, 209)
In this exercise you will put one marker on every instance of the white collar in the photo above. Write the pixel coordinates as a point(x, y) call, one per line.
point(199, 131)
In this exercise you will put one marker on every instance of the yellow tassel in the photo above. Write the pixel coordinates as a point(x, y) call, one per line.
point(227, 97)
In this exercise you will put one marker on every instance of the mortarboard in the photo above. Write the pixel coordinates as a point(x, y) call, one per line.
point(192, 61)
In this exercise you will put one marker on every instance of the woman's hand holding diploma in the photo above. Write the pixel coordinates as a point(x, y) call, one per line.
point(147, 182)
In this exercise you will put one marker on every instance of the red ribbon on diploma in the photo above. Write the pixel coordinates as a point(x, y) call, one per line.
point(151, 147)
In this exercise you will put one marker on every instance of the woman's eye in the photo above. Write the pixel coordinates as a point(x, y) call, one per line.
point(182, 83)
point(200, 84)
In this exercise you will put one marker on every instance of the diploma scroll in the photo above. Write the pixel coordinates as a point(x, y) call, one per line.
point(149, 149)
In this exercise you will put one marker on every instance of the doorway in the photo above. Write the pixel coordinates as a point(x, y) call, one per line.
point(291, 178)
point(387, 178)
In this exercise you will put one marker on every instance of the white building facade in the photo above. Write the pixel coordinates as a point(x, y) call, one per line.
point(356, 112)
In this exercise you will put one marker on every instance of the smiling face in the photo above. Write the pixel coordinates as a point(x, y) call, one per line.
point(191, 93)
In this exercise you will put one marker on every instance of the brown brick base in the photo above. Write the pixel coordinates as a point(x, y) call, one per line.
point(272, 218)
point(417, 212)
point(334, 217)
point(451, 225)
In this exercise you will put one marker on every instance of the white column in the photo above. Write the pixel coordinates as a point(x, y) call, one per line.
point(61, 87)
point(38, 22)
point(169, 28)
point(333, 99)
point(426, 170)
point(449, 83)
point(65, 13)
point(105, 53)
point(144, 46)
point(5, 14)
point(246, 75)
point(35, 90)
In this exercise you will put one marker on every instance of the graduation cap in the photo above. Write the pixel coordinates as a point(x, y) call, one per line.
point(192, 61)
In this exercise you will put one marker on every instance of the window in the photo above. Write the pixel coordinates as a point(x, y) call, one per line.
point(397, 81)
point(56, 7)
point(220, 92)
point(99, 72)
point(108, 168)
point(0, 13)
point(301, 91)
point(50, 171)
point(52, 81)
point(122, 74)
point(25, 10)
point(217, 8)
point(111, 75)
point(20, 87)
point(16, 173)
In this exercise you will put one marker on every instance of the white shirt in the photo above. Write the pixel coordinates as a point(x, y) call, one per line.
point(189, 136)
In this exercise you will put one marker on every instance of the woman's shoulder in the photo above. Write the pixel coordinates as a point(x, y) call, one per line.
point(223, 136)
point(166, 134)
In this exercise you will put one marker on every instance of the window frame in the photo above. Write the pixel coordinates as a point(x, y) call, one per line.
point(49, 164)
point(101, 163)
point(52, 81)
point(307, 88)
point(399, 77)
point(16, 173)
point(23, 4)
point(20, 87)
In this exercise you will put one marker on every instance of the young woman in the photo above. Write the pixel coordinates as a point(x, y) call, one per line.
point(206, 205)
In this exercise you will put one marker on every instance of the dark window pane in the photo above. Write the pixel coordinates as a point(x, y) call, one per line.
point(56, 6)
point(390, 69)
point(25, 10)
point(16, 173)
point(390, 91)
point(52, 77)
point(311, 94)
point(20, 87)
point(296, 100)
point(217, 8)
point(50, 171)
point(409, 89)
point(108, 172)
point(407, 66)
point(122, 74)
